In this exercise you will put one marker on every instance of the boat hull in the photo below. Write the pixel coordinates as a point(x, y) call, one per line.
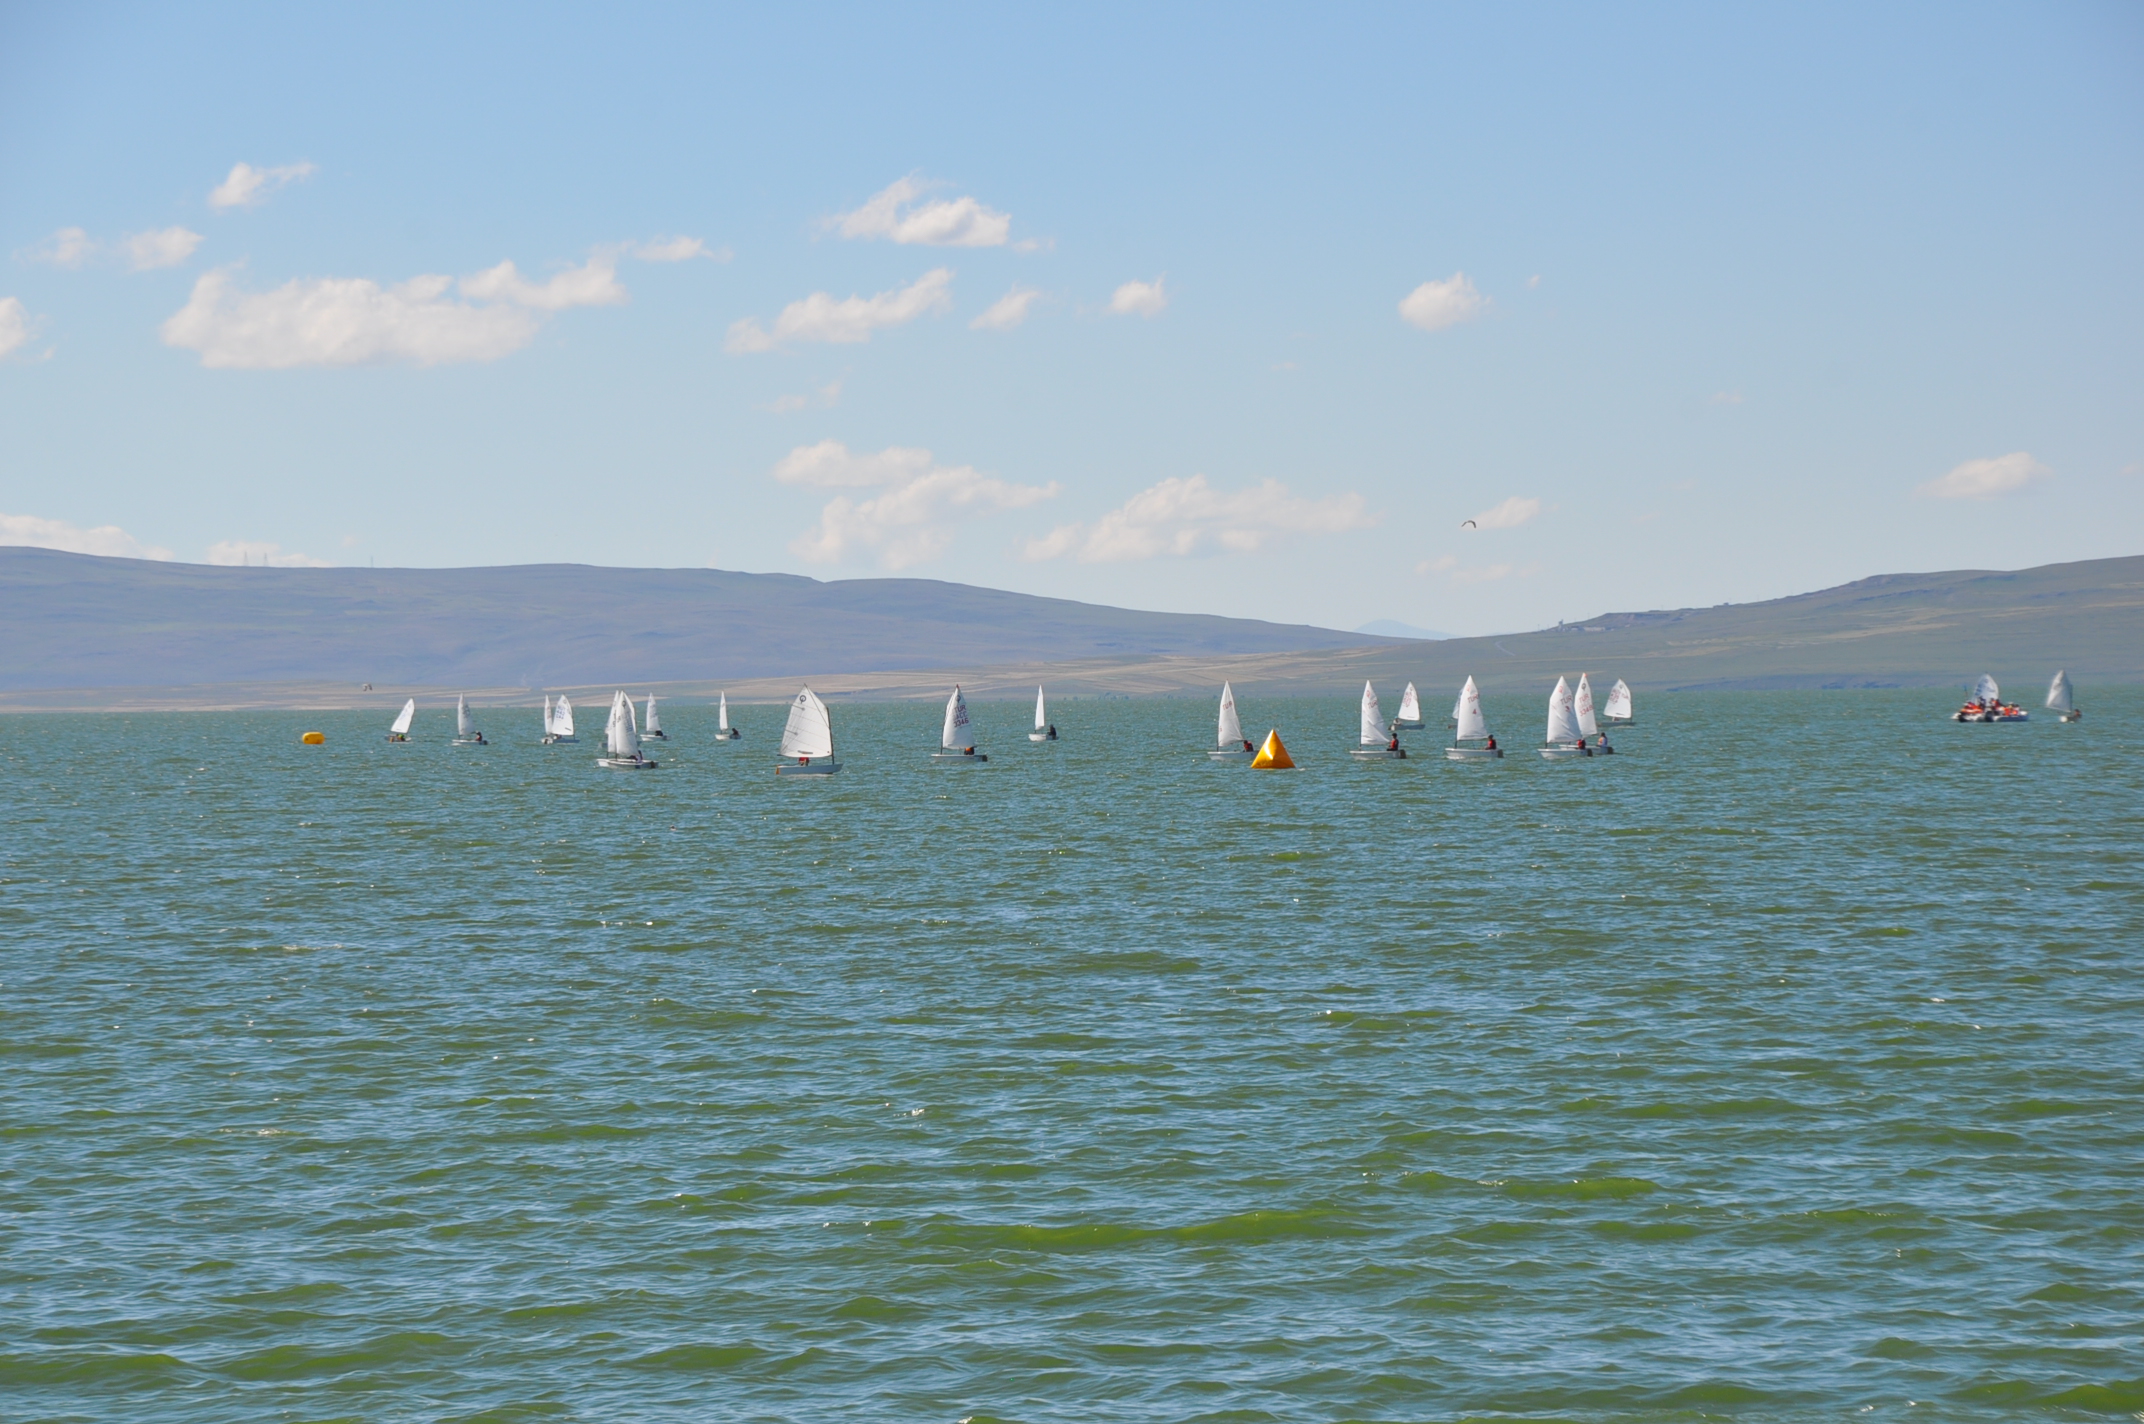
point(1378, 754)
point(2019, 717)
point(1040, 737)
point(1473, 753)
point(798, 768)
point(554, 741)
point(471, 742)
point(1564, 753)
point(627, 764)
point(1221, 754)
point(957, 759)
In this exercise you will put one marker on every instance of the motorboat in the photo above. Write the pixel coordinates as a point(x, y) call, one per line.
point(1987, 705)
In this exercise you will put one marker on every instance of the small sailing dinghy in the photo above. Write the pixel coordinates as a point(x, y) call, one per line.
point(1563, 739)
point(956, 743)
point(2062, 699)
point(1582, 708)
point(558, 727)
point(546, 739)
point(808, 741)
point(1410, 716)
point(1045, 730)
point(1988, 705)
point(465, 732)
point(1618, 713)
point(621, 738)
point(724, 732)
point(1229, 741)
point(399, 730)
point(1472, 728)
point(1379, 742)
point(651, 727)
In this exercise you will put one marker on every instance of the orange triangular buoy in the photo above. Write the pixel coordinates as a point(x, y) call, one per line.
point(1272, 756)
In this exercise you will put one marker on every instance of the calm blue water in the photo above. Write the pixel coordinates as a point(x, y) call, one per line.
point(1789, 1064)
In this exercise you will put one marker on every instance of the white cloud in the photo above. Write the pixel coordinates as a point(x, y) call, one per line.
point(678, 249)
point(593, 284)
point(1007, 311)
point(16, 328)
point(69, 247)
point(167, 247)
point(1509, 515)
point(1139, 299)
point(1180, 516)
point(1488, 573)
point(248, 551)
point(955, 222)
point(1436, 305)
point(1987, 479)
point(27, 530)
point(821, 318)
point(249, 187)
point(912, 520)
point(826, 397)
point(352, 321)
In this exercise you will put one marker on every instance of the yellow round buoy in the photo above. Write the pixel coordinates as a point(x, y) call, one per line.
point(314, 739)
point(1272, 756)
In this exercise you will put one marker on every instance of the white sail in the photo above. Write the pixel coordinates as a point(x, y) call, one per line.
point(1230, 735)
point(547, 714)
point(409, 712)
point(622, 736)
point(722, 714)
point(1410, 705)
point(959, 733)
point(651, 725)
point(2059, 696)
point(810, 732)
point(1987, 694)
point(1373, 719)
point(1042, 717)
point(1473, 727)
point(1619, 700)
point(464, 725)
point(1582, 706)
point(1562, 723)
point(562, 718)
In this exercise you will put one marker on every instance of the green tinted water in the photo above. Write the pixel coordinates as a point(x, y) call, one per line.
point(1789, 1064)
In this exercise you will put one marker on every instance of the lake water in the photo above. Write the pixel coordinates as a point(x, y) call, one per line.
point(1789, 1064)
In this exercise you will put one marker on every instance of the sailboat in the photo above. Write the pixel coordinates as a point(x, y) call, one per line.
point(621, 738)
point(465, 732)
point(1229, 742)
point(1618, 713)
point(1044, 730)
point(956, 743)
point(808, 741)
point(1582, 707)
point(2062, 699)
point(724, 732)
point(1563, 738)
point(1410, 717)
point(1379, 742)
point(399, 731)
point(547, 719)
point(653, 728)
point(1988, 705)
point(558, 726)
point(1472, 727)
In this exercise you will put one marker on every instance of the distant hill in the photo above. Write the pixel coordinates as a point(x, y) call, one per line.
point(1393, 628)
point(77, 621)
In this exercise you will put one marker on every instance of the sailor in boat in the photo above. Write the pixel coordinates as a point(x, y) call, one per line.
point(1492, 744)
point(1053, 732)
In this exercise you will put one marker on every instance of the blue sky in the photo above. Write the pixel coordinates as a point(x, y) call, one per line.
point(1207, 309)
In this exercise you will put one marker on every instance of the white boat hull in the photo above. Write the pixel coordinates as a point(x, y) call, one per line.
point(801, 768)
point(730, 736)
point(471, 742)
point(628, 764)
point(1473, 753)
point(1378, 754)
point(1223, 754)
point(1406, 726)
point(958, 759)
point(1564, 753)
point(1961, 717)
point(554, 741)
point(1040, 737)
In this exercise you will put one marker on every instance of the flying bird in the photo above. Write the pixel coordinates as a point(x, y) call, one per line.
point(1468, 524)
